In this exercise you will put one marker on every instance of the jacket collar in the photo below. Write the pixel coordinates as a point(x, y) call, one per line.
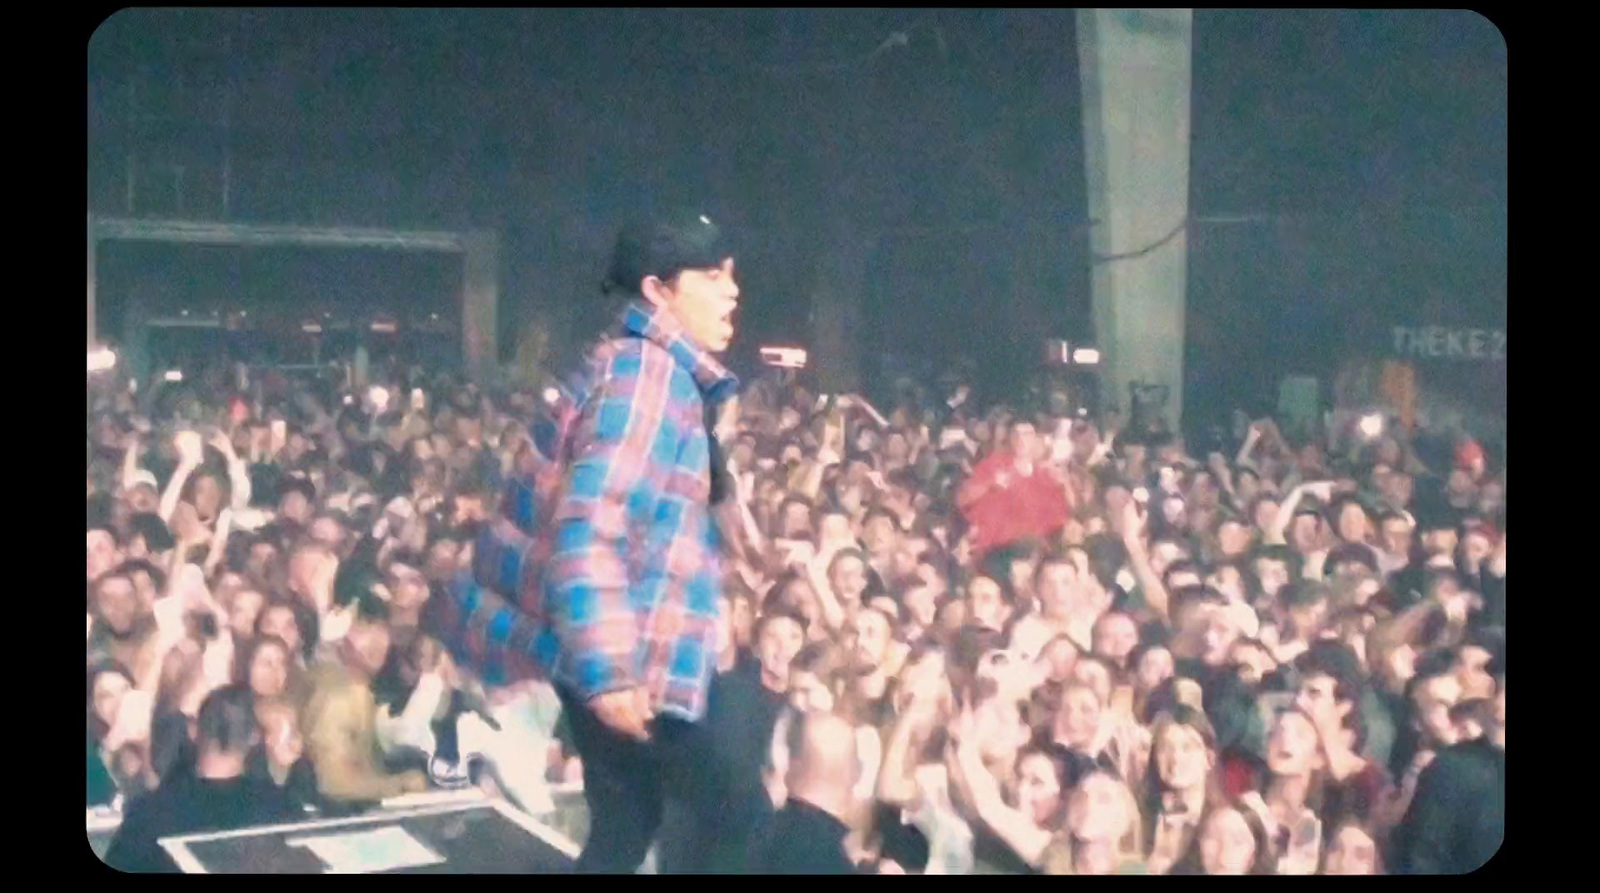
point(658, 325)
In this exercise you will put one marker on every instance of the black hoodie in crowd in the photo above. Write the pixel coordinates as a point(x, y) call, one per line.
point(1457, 820)
point(188, 805)
point(802, 839)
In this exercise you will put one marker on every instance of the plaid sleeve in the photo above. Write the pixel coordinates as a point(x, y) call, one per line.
point(629, 440)
point(489, 635)
point(503, 558)
point(510, 551)
point(520, 500)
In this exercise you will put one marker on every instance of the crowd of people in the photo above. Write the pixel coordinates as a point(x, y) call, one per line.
point(287, 541)
point(979, 638)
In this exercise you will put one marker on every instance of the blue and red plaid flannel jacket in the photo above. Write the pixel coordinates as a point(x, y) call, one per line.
point(610, 550)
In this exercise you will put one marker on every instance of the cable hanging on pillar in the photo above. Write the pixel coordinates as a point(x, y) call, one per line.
point(899, 39)
point(1131, 255)
point(1246, 220)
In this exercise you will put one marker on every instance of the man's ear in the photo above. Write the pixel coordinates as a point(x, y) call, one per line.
point(655, 291)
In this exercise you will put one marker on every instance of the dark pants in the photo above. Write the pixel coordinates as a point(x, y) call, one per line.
point(686, 838)
point(711, 833)
point(627, 785)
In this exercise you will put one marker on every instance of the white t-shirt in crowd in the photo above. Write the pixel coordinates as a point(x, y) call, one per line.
point(949, 836)
point(869, 749)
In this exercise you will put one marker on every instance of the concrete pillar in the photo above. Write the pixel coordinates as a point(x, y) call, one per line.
point(1135, 70)
point(480, 297)
point(91, 281)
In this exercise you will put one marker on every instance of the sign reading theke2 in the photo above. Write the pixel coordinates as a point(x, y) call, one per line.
point(1438, 342)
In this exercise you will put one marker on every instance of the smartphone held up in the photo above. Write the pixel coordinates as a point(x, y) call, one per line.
point(784, 357)
point(1371, 426)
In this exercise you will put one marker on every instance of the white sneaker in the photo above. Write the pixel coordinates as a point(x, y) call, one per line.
point(448, 775)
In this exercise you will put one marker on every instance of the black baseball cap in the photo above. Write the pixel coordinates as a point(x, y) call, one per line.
point(664, 245)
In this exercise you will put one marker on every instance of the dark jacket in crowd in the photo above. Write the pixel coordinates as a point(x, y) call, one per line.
point(102, 788)
point(1407, 585)
point(1457, 819)
point(300, 789)
point(991, 855)
point(1493, 589)
point(903, 844)
point(171, 750)
point(1230, 704)
point(741, 717)
point(726, 806)
point(802, 839)
point(1407, 740)
point(189, 805)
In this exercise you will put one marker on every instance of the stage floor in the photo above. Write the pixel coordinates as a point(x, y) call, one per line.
point(463, 835)
point(461, 832)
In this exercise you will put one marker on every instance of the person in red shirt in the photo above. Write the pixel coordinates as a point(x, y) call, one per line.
point(1014, 494)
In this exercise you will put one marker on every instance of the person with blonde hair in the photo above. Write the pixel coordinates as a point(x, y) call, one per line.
point(1103, 834)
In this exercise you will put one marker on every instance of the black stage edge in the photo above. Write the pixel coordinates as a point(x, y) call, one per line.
point(482, 837)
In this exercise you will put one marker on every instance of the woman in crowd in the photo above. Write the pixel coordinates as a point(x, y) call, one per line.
point(1182, 789)
point(1293, 790)
point(1079, 734)
point(1102, 834)
point(1021, 813)
point(1234, 841)
point(1353, 850)
point(268, 669)
point(111, 731)
point(285, 622)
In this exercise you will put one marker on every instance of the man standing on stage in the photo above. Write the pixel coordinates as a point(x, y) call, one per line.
point(623, 617)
